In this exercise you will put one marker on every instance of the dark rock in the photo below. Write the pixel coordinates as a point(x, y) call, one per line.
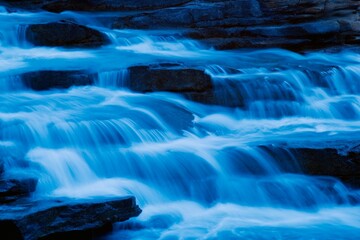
point(229, 24)
point(13, 189)
point(80, 219)
point(110, 5)
point(193, 83)
point(300, 36)
point(2, 167)
point(65, 34)
point(44, 80)
point(296, 25)
point(323, 160)
point(329, 162)
point(171, 79)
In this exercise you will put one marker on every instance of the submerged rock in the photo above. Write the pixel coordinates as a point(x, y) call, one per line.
point(13, 189)
point(44, 80)
point(80, 219)
point(65, 34)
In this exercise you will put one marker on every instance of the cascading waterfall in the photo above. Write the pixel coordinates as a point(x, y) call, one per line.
point(198, 171)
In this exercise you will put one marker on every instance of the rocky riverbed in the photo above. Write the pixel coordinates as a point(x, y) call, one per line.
point(219, 119)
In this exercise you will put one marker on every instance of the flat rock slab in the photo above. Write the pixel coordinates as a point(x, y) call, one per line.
point(168, 78)
point(45, 80)
point(336, 159)
point(64, 219)
point(65, 34)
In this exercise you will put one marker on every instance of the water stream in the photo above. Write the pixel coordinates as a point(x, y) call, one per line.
point(197, 171)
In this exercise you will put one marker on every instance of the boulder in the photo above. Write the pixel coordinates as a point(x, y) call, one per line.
point(168, 78)
point(13, 189)
point(65, 34)
point(64, 219)
point(44, 80)
point(193, 83)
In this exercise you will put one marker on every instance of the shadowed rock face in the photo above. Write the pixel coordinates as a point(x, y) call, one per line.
point(329, 162)
point(172, 79)
point(57, 219)
point(44, 80)
point(265, 23)
point(13, 189)
point(326, 160)
point(65, 34)
point(193, 83)
point(229, 24)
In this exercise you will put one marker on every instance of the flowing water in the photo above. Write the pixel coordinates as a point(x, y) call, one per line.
point(197, 171)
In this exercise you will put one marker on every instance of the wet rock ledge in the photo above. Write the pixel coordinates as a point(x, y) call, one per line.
point(23, 218)
point(222, 24)
point(64, 219)
point(339, 159)
point(65, 34)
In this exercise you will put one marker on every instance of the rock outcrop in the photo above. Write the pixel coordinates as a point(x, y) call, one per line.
point(229, 24)
point(326, 159)
point(45, 80)
point(191, 82)
point(256, 24)
point(13, 189)
point(64, 219)
point(171, 78)
point(65, 34)
point(329, 162)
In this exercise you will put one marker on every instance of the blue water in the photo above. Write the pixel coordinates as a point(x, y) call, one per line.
point(196, 170)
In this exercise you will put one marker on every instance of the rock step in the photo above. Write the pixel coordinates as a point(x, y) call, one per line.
point(231, 24)
point(237, 89)
point(296, 25)
point(65, 34)
point(56, 219)
point(45, 80)
point(320, 161)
